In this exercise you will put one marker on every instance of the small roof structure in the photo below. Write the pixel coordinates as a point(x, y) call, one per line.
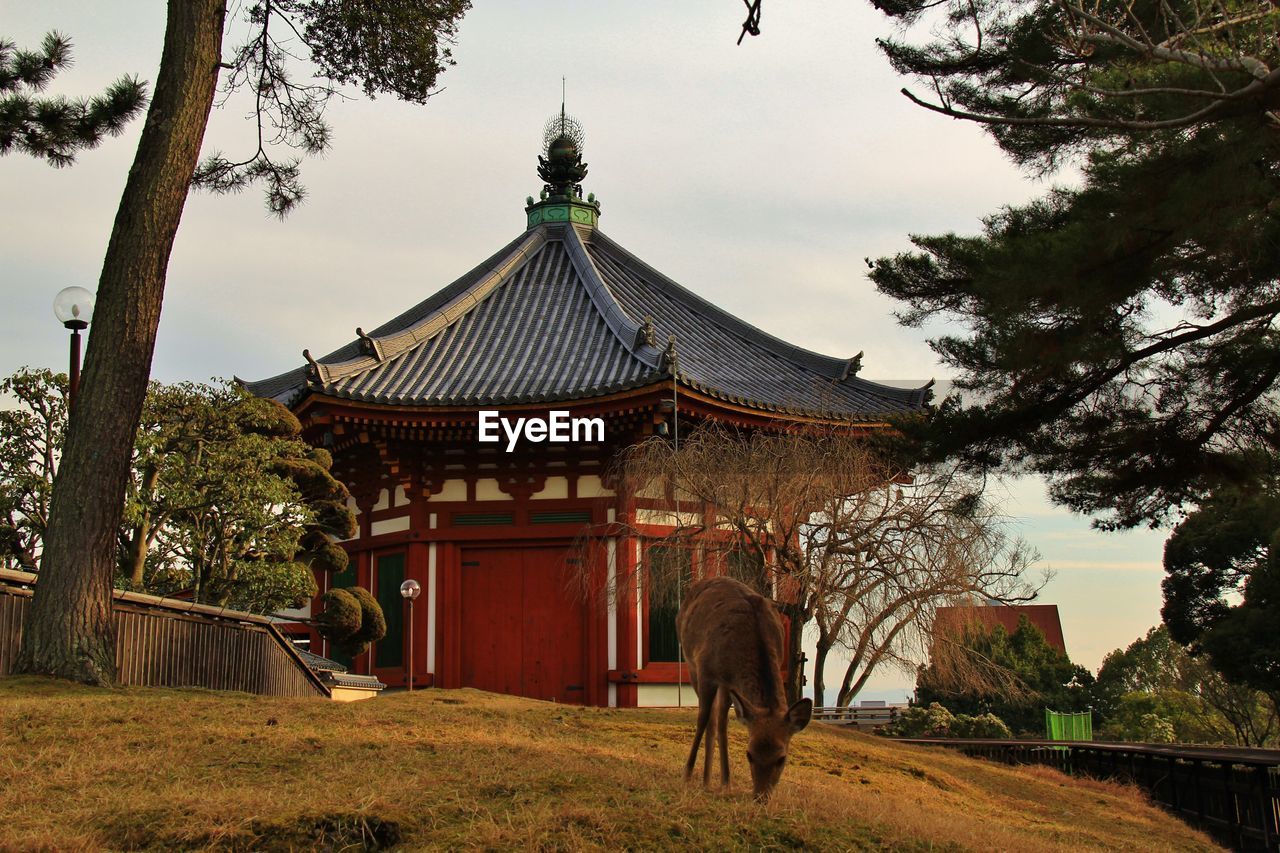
point(989, 616)
point(564, 313)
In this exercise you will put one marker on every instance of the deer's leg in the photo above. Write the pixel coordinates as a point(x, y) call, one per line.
point(704, 714)
point(717, 698)
point(722, 730)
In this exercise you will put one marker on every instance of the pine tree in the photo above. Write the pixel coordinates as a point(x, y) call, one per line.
point(395, 47)
point(55, 128)
point(1117, 336)
point(1222, 589)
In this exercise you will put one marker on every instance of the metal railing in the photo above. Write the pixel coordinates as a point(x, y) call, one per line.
point(866, 717)
point(1233, 793)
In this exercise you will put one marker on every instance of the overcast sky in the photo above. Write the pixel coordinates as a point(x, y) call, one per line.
point(760, 176)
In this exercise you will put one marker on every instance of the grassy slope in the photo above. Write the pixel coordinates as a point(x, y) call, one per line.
point(167, 768)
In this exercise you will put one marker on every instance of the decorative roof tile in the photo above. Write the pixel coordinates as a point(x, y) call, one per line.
point(564, 313)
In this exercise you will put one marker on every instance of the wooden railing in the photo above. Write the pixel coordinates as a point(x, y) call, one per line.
point(162, 642)
point(1231, 793)
point(868, 717)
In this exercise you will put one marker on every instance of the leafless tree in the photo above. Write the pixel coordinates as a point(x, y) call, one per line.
point(835, 533)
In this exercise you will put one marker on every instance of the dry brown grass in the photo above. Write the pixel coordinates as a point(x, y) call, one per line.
point(178, 769)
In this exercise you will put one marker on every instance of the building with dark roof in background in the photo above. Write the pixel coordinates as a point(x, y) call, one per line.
point(561, 318)
point(987, 617)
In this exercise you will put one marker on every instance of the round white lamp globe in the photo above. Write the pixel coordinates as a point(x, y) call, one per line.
point(73, 306)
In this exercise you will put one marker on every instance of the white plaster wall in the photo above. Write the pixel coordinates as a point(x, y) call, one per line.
point(557, 488)
point(589, 486)
point(452, 490)
point(487, 490)
point(665, 696)
point(668, 518)
point(303, 612)
point(390, 525)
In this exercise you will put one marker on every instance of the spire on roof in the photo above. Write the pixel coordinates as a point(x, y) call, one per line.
point(561, 169)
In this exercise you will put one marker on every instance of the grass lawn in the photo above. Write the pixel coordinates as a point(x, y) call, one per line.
point(169, 769)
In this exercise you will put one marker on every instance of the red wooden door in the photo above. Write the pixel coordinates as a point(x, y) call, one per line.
point(492, 581)
point(522, 630)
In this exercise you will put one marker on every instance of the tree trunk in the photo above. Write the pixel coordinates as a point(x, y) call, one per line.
point(68, 632)
point(795, 651)
point(139, 544)
point(820, 661)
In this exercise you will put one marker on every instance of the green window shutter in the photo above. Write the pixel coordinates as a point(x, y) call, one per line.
point(388, 575)
point(667, 562)
point(482, 519)
point(570, 516)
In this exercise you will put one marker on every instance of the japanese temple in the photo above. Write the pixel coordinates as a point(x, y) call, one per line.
point(561, 318)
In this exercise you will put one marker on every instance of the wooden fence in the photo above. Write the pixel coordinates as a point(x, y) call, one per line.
point(1231, 793)
point(164, 642)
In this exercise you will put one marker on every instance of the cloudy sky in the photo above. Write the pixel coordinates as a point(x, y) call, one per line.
point(759, 175)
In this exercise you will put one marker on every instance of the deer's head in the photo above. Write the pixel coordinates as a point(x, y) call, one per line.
point(769, 738)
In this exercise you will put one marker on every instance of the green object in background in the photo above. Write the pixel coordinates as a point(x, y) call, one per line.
point(1068, 726)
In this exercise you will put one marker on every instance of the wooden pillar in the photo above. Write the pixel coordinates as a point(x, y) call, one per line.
point(449, 615)
point(416, 568)
point(364, 571)
point(597, 686)
point(628, 654)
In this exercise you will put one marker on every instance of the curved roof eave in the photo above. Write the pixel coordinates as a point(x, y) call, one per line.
point(848, 397)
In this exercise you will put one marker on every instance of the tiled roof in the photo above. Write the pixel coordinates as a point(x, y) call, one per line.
point(564, 313)
point(318, 663)
point(987, 617)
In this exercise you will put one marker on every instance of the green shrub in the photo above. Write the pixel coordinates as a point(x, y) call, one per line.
point(373, 625)
point(1156, 729)
point(936, 721)
point(351, 619)
point(917, 721)
point(983, 726)
point(341, 617)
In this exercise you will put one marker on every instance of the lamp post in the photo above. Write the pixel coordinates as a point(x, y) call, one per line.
point(409, 590)
point(73, 306)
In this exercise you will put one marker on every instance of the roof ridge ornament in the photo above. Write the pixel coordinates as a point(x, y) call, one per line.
point(852, 366)
point(314, 373)
point(368, 345)
point(670, 359)
point(649, 332)
point(561, 169)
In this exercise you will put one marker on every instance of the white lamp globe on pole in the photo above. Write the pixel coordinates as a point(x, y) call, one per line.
point(410, 590)
point(73, 306)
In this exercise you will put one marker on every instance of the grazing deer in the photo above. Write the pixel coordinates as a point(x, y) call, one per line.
point(732, 640)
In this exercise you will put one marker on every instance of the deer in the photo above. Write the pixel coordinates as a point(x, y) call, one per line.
point(731, 637)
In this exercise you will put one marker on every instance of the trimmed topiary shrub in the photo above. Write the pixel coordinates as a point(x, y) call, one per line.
point(351, 619)
point(341, 617)
point(373, 624)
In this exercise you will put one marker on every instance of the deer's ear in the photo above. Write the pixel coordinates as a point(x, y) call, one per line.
point(799, 714)
point(745, 711)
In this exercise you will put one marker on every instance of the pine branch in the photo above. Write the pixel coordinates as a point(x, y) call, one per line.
point(56, 128)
